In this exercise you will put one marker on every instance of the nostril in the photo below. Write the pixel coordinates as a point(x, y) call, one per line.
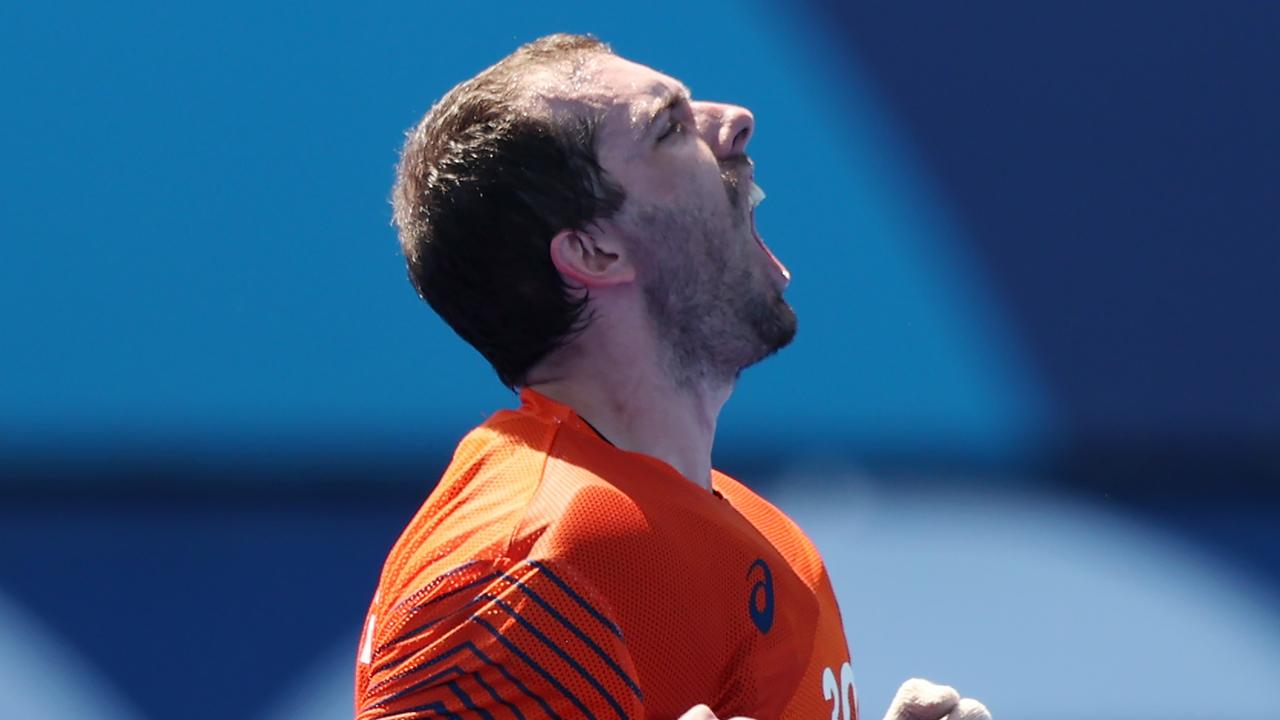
point(740, 140)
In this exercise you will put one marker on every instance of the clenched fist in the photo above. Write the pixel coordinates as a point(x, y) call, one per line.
point(702, 712)
point(922, 700)
point(917, 699)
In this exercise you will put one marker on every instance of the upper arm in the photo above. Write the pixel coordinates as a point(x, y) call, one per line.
point(494, 641)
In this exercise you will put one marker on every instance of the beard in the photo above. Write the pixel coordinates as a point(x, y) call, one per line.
point(715, 315)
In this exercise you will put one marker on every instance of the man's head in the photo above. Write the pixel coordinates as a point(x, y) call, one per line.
point(565, 177)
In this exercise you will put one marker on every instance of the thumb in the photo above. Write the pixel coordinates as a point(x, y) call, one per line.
point(920, 699)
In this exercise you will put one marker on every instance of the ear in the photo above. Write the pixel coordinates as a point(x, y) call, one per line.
point(591, 258)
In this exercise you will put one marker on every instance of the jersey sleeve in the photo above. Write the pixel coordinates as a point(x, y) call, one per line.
point(494, 641)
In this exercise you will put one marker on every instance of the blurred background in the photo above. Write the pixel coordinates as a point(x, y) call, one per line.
point(1032, 417)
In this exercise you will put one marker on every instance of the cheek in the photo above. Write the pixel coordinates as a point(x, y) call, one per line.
point(691, 171)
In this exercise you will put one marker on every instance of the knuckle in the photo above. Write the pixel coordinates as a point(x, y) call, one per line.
point(920, 699)
point(699, 712)
point(914, 687)
point(970, 709)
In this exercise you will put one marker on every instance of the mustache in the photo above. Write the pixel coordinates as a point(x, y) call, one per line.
point(734, 172)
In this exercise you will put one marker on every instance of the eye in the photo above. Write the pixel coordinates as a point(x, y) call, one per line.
point(676, 128)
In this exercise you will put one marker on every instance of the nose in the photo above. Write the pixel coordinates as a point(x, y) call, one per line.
point(725, 128)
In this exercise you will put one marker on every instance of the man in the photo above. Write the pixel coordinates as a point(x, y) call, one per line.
point(588, 227)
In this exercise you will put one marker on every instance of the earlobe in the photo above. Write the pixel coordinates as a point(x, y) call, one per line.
point(589, 259)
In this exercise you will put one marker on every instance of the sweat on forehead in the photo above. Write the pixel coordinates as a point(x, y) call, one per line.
point(560, 83)
point(624, 95)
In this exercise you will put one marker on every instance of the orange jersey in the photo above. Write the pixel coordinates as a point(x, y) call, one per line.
point(553, 575)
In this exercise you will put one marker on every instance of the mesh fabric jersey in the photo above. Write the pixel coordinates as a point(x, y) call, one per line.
point(553, 575)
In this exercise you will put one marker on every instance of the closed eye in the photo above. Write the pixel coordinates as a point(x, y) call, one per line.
point(675, 129)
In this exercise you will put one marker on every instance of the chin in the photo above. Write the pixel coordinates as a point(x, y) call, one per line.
point(774, 330)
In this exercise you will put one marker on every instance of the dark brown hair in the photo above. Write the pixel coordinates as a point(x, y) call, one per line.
point(485, 181)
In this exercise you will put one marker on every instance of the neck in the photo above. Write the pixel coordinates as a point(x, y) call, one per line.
point(644, 411)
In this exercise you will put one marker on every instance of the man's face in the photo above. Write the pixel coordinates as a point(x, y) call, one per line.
point(714, 291)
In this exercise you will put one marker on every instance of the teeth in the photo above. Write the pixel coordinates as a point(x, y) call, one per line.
point(756, 195)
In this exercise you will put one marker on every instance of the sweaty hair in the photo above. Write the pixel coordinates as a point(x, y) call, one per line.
point(485, 181)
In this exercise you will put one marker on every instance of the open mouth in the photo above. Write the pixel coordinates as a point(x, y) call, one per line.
point(755, 196)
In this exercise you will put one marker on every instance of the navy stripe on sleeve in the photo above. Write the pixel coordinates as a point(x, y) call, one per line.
point(494, 694)
point(455, 670)
point(436, 707)
point(414, 630)
point(586, 675)
point(613, 628)
point(538, 668)
point(462, 695)
point(577, 632)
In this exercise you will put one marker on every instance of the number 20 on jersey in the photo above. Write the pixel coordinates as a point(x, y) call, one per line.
point(840, 692)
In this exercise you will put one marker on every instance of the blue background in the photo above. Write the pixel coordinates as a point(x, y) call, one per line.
point(1034, 248)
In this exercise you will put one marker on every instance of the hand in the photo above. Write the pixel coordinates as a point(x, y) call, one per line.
point(922, 700)
point(702, 712)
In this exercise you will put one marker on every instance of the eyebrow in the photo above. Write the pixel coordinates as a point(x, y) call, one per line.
point(670, 99)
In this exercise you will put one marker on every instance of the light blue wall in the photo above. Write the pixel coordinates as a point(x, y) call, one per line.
point(197, 243)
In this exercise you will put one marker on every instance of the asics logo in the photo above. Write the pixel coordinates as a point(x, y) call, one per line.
point(760, 604)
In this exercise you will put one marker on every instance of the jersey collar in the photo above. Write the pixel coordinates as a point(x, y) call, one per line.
point(535, 402)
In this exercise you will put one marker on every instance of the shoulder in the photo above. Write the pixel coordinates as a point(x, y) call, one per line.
point(781, 531)
point(519, 486)
point(579, 510)
point(477, 505)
